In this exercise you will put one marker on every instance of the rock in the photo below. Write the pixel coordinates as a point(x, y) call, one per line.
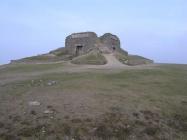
point(50, 83)
point(33, 112)
point(48, 112)
point(184, 102)
point(1, 125)
point(53, 82)
point(34, 103)
point(43, 130)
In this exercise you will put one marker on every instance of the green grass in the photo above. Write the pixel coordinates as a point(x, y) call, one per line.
point(150, 85)
point(122, 58)
point(161, 90)
point(17, 68)
point(138, 60)
point(40, 58)
point(131, 60)
point(93, 58)
point(59, 52)
point(56, 55)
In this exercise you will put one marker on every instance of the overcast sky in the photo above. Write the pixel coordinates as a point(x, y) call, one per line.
point(156, 29)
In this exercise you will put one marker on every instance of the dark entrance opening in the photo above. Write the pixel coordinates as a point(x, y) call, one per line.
point(113, 48)
point(79, 49)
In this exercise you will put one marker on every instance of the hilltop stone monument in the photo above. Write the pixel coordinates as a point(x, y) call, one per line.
point(81, 43)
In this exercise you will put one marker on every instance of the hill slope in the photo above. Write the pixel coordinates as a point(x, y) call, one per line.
point(93, 57)
point(61, 101)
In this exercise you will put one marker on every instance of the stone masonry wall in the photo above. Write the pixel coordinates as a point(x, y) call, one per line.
point(81, 43)
point(111, 41)
point(87, 40)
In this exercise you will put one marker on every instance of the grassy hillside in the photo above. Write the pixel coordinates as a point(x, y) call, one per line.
point(121, 57)
point(138, 60)
point(60, 54)
point(138, 104)
point(93, 58)
point(132, 60)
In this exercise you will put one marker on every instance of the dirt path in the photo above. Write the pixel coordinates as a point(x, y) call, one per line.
point(112, 61)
